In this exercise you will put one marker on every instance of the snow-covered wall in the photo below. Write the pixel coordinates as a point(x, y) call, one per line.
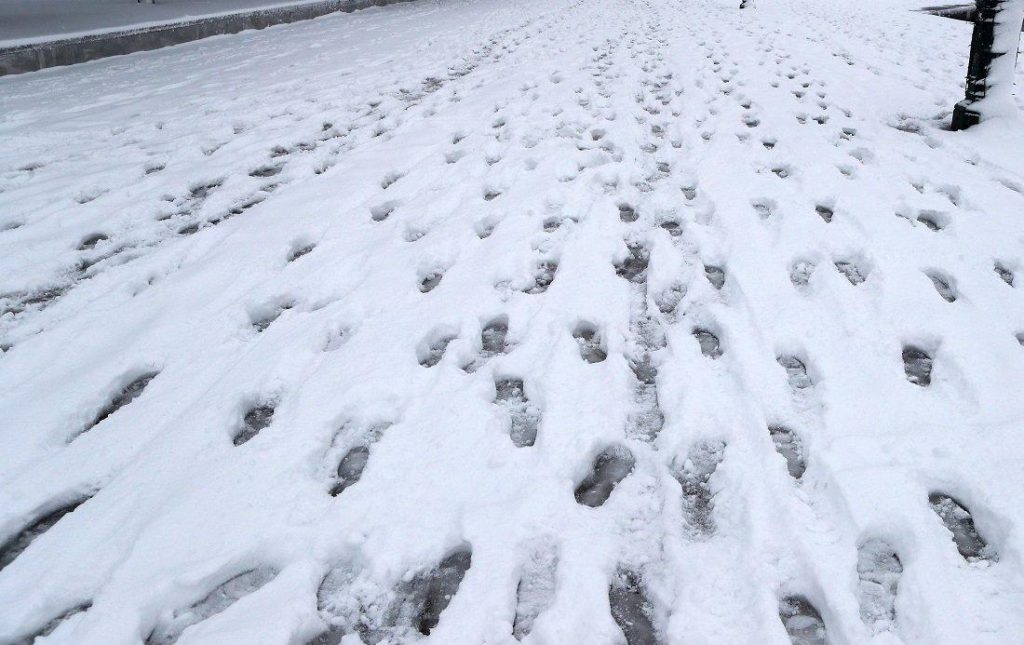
point(68, 51)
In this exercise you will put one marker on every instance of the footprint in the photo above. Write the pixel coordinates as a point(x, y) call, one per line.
point(627, 213)
point(1004, 273)
point(802, 621)
point(543, 276)
point(268, 170)
point(536, 589)
point(709, 345)
point(433, 351)
point(54, 623)
point(381, 212)
point(299, 250)
point(485, 227)
point(852, 272)
point(788, 444)
point(524, 416)
point(943, 284)
point(427, 595)
point(188, 229)
point(934, 220)
point(90, 241)
point(800, 273)
point(454, 156)
point(825, 212)
point(674, 228)
point(796, 372)
point(589, 341)
point(694, 476)
point(668, 300)
point(390, 178)
point(764, 208)
point(634, 266)
point(350, 469)
point(493, 341)
point(878, 569)
point(17, 544)
point(917, 365)
point(256, 419)
point(631, 608)
point(552, 224)
point(263, 317)
point(493, 337)
point(610, 467)
point(128, 393)
point(169, 629)
point(958, 520)
point(715, 275)
point(430, 280)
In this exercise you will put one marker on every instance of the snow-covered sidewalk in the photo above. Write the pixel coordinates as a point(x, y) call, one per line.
point(541, 320)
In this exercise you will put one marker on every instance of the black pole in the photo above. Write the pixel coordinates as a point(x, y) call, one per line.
point(979, 66)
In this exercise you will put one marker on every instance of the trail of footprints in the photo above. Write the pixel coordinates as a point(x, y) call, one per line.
point(420, 603)
point(416, 604)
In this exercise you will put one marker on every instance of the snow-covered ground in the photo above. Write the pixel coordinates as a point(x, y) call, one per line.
point(34, 20)
point(551, 320)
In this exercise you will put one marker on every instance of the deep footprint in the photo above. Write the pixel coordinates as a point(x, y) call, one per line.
point(52, 625)
point(429, 594)
point(169, 630)
point(610, 467)
point(943, 286)
point(958, 520)
point(802, 621)
point(634, 266)
point(589, 341)
point(715, 275)
point(127, 394)
point(536, 589)
point(300, 251)
point(524, 416)
point(350, 469)
point(694, 476)
point(429, 281)
point(878, 570)
point(788, 444)
point(493, 342)
point(1004, 273)
point(261, 323)
point(796, 372)
point(436, 349)
point(852, 272)
point(16, 545)
point(256, 419)
point(709, 344)
point(917, 365)
point(627, 213)
point(631, 608)
point(543, 276)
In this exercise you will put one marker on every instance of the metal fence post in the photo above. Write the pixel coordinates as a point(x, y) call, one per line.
point(993, 18)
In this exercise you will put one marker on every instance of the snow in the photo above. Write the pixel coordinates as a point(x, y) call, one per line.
point(372, 246)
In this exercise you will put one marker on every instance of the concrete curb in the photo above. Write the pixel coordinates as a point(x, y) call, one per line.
point(79, 49)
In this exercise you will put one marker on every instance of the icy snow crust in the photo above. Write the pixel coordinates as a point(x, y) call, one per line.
point(542, 320)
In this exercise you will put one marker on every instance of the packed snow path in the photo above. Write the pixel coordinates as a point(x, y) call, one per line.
point(550, 321)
